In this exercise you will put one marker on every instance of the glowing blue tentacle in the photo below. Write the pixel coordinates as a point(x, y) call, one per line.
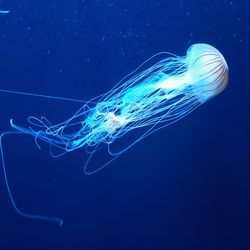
point(99, 168)
point(59, 221)
point(154, 127)
point(56, 141)
point(4, 11)
point(40, 95)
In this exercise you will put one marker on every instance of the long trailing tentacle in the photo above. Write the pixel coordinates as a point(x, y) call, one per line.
point(26, 215)
point(42, 96)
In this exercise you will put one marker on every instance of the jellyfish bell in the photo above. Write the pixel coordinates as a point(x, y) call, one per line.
point(203, 70)
point(207, 70)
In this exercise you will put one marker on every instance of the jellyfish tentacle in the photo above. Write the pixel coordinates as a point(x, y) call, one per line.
point(4, 11)
point(41, 95)
point(96, 148)
point(58, 221)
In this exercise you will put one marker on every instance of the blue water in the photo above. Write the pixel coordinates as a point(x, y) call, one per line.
point(184, 187)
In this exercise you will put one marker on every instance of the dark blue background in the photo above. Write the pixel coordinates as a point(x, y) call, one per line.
point(184, 187)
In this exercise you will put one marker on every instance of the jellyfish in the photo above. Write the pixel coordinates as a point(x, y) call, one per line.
point(150, 98)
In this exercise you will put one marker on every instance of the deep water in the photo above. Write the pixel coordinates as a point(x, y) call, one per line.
point(184, 187)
